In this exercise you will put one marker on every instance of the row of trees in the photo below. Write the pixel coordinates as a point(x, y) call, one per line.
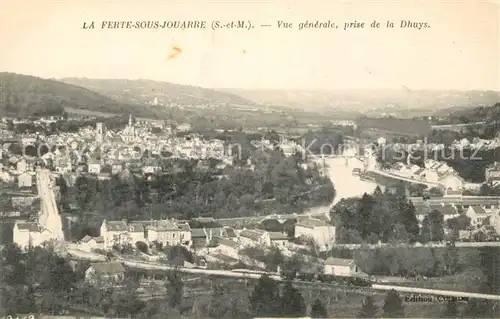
point(391, 217)
point(388, 217)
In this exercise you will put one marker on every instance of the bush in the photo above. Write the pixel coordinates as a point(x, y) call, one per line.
point(142, 246)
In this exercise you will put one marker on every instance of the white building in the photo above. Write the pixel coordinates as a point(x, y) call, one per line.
point(321, 232)
point(341, 267)
point(494, 220)
point(128, 134)
point(25, 180)
point(115, 232)
point(136, 232)
point(27, 234)
point(254, 237)
point(451, 181)
point(165, 232)
point(88, 243)
point(228, 248)
point(94, 166)
point(477, 215)
point(185, 233)
point(105, 273)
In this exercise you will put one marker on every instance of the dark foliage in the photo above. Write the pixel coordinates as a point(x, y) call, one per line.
point(393, 306)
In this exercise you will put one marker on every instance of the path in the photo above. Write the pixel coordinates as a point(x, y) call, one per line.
point(49, 217)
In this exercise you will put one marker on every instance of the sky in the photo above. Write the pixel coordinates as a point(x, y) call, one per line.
point(460, 49)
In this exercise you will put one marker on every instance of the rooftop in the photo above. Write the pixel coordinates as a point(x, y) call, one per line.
point(339, 262)
point(252, 234)
point(311, 223)
point(108, 268)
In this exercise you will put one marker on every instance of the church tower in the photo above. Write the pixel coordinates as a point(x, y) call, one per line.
point(99, 133)
point(129, 131)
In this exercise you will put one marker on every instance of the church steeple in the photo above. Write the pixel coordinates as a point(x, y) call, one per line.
point(130, 120)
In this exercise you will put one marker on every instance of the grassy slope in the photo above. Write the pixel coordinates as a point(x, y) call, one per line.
point(141, 91)
point(23, 95)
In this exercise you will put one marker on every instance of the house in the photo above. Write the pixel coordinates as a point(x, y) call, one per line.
point(116, 168)
point(215, 232)
point(105, 273)
point(94, 166)
point(448, 211)
point(88, 243)
point(114, 232)
point(24, 233)
point(320, 231)
point(341, 267)
point(414, 168)
point(494, 220)
point(165, 232)
point(381, 141)
point(477, 215)
point(12, 162)
point(228, 248)
point(419, 173)
point(151, 169)
point(136, 232)
point(27, 234)
point(25, 164)
point(430, 176)
point(451, 181)
point(492, 174)
point(25, 180)
point(442, 168)
point(199, 238)
point(185, 232)
point(254, 237)
point(278, 239)
point(22, 165)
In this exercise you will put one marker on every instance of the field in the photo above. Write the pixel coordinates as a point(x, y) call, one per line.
point(395, 125)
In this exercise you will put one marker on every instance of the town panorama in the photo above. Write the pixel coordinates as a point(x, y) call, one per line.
point(141, 199)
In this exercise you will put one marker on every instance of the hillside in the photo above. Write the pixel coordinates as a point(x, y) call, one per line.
point(24, 95)
point(399, 102)
point(144, 91)
point(486, 114)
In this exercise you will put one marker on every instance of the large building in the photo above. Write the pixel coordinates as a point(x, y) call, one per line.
point(320, 231)
point(128, 134)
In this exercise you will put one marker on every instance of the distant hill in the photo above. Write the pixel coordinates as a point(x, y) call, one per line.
point(398, 102)
point(144, 91)
point(24, 95)
point(486, 114)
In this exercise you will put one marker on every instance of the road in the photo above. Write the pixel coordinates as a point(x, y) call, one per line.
point(451, 126)
point(434, 245)
point(226, 273)
point(49, 217)
point(406, 179)
point(231, 274)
